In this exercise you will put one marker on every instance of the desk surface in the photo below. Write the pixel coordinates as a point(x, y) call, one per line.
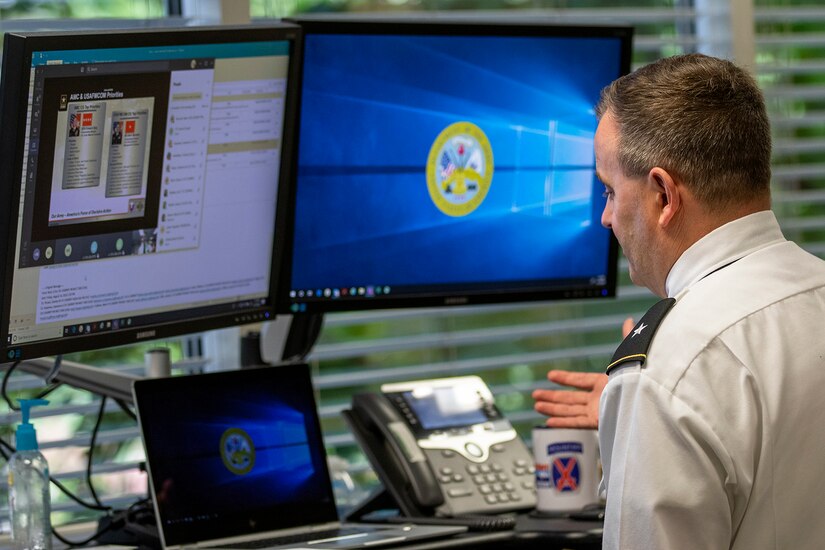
point(530, 532)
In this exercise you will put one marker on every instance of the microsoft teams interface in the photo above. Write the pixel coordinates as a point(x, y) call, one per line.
point(441, 164)
point(149, 186)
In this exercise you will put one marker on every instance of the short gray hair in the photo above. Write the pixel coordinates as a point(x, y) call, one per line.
point(701, 118)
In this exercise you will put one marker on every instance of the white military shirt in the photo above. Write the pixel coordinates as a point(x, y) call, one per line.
point(718, 440)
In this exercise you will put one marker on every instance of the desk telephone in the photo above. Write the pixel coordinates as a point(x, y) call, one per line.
point(442, 448)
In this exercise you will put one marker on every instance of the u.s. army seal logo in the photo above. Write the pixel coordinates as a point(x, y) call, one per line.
point(237, 451)
point(459, 169)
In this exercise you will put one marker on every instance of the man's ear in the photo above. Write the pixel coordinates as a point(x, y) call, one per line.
point(669, 194)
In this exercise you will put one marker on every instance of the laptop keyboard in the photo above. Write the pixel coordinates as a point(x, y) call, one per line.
point(301, 537)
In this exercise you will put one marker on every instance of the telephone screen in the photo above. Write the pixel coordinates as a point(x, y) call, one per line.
point(446, 406)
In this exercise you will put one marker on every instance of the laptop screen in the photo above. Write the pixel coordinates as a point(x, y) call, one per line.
point(234, 453)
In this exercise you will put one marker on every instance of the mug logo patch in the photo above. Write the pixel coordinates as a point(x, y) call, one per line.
point(566, 474)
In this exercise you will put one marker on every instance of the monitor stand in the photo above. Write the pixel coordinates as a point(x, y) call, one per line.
point(109, 383)
point(290, 337)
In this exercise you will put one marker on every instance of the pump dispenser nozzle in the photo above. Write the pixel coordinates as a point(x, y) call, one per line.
point(26, 437)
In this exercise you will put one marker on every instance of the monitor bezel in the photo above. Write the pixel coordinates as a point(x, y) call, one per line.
point(17, 59)
point(446, 25)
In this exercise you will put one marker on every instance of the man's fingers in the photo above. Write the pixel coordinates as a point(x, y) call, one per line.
point(571, 422)
point(571, 409)
point(627, 326)
point(559, 409)
point(561, 396)
point(580, 380)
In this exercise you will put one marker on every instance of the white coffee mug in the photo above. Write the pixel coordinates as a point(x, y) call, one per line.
point(567, 468)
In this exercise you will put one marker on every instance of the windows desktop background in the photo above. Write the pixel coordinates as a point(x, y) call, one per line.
point(372, 106)
point(183, 421)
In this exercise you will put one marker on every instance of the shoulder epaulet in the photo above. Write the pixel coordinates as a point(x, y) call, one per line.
point(634, 347)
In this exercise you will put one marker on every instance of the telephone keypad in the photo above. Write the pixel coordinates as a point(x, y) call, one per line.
point(505, 482)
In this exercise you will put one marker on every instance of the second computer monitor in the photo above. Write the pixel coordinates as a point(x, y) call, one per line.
point(446, 162)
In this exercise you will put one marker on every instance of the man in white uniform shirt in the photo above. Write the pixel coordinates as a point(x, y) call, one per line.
point(713, 436)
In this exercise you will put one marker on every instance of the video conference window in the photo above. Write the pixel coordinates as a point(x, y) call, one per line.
point(149, 187)
point(101, 142)
point(97, 157)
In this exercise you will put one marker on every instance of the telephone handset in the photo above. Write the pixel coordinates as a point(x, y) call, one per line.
point(377, 413)
point(442, 448)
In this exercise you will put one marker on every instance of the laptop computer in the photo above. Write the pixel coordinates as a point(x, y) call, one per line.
point(236, 460)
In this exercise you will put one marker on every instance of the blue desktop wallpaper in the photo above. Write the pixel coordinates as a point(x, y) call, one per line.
point(372, 108)
point(192, 478)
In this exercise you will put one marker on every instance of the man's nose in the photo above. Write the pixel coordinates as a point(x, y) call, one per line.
point(606, 215)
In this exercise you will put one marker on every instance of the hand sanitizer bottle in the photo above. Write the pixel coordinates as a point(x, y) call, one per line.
point(29, 488)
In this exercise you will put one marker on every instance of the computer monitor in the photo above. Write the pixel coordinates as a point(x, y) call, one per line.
point(444, 161)
point(141, 174)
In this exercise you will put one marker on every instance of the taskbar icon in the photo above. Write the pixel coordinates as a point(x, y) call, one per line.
point(96, 326)
point(368, 291)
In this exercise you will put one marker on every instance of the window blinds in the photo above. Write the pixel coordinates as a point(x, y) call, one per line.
point(510, 346)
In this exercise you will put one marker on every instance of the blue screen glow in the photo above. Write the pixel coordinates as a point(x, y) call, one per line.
point(385, 121)
point(242, 448)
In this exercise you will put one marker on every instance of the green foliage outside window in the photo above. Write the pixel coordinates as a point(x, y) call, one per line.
point(82, 9)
